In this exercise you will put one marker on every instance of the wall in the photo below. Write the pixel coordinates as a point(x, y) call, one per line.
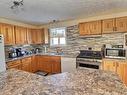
point(76, 43)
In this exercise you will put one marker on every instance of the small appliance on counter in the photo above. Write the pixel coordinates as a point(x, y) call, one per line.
point(12, 53)
point(36, 50)
point(115, 51)
point(20, 52)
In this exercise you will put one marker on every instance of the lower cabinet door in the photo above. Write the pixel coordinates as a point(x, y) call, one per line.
point(45, 66)
point(125, 74)
point(120, 69)
point(26, 64)
point(34, 64)
point(117, 66)
point(56, 68)
point(109, 65)
point(14, 64)
point(26, 67)
point(50, 64)
point(18, 66)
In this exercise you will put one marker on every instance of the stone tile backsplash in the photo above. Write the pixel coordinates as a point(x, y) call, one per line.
point(76, 42)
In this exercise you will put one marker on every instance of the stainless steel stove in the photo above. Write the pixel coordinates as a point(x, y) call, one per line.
point(89, 59)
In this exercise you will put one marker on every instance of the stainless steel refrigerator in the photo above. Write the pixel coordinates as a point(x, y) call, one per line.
point(2, 54)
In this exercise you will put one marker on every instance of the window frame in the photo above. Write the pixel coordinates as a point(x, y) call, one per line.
point(58, 45)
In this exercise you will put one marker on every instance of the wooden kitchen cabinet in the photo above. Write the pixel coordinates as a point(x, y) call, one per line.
point(109, 65)
point(115, 25)
point(121, 24)
point(34, 64)
point(117, 66)
point(95, 27)
point(50, 64)
point(84, 29)
point(108, 25)
point(0, 27)
point(26, 64)
point(33, 36)
point(90, 28)
point(14, 64)
point(125, 74)
point(21, 35)
point(37, 36)
point(44, 64)
point(56, 64)
point(23, 64)
point(120, 69)
point(8, 33)
point(29, 36)
point(46, 35)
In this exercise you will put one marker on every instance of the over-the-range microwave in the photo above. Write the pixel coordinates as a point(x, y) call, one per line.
point(115, 53)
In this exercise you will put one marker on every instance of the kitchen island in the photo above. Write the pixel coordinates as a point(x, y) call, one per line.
point(79, 82)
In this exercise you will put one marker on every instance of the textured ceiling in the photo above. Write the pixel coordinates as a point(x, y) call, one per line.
point(44, 11)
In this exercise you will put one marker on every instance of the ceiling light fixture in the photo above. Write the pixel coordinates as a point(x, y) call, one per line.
point(17, 5)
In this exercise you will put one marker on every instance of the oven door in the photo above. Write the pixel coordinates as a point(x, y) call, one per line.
point(92, 65)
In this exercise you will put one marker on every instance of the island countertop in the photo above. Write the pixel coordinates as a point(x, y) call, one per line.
point(79, 82)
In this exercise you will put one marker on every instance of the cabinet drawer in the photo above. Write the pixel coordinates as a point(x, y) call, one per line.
point(55, 59)
point(13, 63)
point(44, 58)
point(26, 60)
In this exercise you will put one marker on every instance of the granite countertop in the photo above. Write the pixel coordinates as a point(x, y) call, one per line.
point(49, 54)
point(79, 82)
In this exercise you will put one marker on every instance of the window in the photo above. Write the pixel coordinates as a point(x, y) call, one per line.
point(57, 36)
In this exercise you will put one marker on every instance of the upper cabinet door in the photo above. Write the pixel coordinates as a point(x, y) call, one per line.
point(34, 36)
point(21, 35)
point(108, 25)
point(8, 33)
point(95, 27)
point(40, 34)
point(37, 36)
point(29, 36)
point(46, 35)
point(121, 24)
point(84, 29)
point(0, 27)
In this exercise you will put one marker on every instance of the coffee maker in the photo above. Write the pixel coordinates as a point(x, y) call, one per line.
point(20, 52)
